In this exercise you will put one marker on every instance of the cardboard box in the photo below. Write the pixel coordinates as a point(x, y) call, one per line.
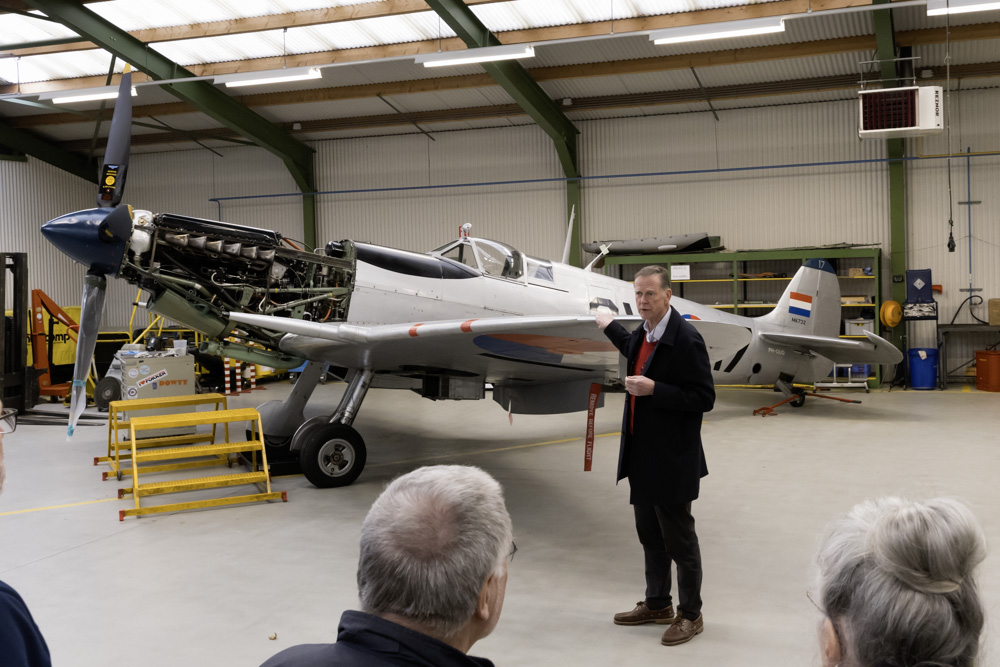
point(858, 326)
point(859, 298)
point(855, 272)
point(994, 318)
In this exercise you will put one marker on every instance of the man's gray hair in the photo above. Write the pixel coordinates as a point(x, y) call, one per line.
point(896, 580)
point(430, 542)
point(654, 270)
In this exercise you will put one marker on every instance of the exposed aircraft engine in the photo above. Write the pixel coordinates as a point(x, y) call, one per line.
point(198, 271)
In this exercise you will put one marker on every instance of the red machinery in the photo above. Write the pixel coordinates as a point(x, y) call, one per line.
point(40, 304)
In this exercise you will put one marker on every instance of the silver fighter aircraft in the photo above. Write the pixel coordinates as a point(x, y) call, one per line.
point(445, 323)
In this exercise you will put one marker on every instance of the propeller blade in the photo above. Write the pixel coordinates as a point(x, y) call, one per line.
point(91, 308)
point(112, 177)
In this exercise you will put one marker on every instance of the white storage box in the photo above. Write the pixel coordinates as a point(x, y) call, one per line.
point(858, 327)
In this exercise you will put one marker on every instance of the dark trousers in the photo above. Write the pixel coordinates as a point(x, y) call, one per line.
point(667, 535)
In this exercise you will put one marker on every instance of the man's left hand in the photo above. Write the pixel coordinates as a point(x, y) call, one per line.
point(639, 385)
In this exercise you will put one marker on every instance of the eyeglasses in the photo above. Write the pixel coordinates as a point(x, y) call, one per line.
point(8, 420)
point(513, 550)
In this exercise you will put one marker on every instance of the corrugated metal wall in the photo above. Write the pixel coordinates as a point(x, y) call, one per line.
point(749, 209)
point(531, 217)
point(974, 128)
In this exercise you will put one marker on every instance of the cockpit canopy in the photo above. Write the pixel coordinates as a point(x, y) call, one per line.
point(496, 259)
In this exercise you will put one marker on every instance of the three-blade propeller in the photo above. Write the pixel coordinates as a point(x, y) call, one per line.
point(97, 239)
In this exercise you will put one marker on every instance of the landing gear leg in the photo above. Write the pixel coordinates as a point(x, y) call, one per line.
point(282, 418)
point(331, 452)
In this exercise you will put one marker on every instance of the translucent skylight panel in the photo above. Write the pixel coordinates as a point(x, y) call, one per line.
point(57, 66)
point(15, 29)
point(138, 14)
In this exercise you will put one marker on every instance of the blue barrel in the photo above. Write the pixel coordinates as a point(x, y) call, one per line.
point(923, 371)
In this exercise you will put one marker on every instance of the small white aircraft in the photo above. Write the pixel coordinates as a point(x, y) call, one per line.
point(444, 323)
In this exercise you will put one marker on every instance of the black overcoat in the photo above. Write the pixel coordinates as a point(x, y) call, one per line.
point(664, 459)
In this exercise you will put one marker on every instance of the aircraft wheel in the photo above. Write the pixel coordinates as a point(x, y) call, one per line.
point(798, 402)
point(333, 455)
point(107, 390)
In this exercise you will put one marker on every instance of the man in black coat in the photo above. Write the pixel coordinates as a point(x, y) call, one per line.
point(669, 387)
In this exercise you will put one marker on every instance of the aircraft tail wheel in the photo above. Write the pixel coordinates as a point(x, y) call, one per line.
point(799, 401)
point(276, 441)
point(334, 455)
point(107, 390)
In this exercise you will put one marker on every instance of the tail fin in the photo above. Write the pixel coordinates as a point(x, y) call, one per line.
point(811, 303)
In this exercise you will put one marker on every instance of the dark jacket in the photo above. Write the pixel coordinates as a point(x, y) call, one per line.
point(21, 642)
point(364, 640)
point(663, 458)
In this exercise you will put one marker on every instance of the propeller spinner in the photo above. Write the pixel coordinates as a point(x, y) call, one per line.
point(97, 239)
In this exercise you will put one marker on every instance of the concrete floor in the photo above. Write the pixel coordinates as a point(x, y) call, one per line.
point(211, 587)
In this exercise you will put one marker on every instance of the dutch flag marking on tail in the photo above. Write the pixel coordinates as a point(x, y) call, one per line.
point(800, 304)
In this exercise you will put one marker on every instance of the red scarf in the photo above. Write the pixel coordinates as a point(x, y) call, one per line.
point(644, 353)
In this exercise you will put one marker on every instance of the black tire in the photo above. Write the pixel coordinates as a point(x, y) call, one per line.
point(333, 455)
point(275, 441)
point(799, 401)
point(107, 390)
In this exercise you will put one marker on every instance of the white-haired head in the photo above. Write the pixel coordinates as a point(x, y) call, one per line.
point(430, 542)
point(896, 580)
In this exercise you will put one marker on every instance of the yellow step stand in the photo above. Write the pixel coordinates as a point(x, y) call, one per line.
point(219, 453)
point(119, 449)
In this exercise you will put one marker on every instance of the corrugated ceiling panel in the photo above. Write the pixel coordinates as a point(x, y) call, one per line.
point(57, 66)
point(807, 28)
point(585, 87)
point(625, 47)
point(783, 70)
point(325, 110)
point(962, 53)
point(138, 14)
point(917, 19)
point(781, 100)
point(446, 99)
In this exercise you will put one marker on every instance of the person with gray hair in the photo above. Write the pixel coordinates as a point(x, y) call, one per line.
point(896, 584)
point(431, 576)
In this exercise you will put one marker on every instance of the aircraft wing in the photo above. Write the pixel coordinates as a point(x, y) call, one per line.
point(875, 350)
point(536, 349)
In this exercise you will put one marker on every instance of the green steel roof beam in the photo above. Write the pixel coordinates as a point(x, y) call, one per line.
point(201, 95)
point(36, 147)
point(885, 41)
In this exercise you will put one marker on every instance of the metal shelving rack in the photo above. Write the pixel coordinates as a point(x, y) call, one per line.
point(741, 262)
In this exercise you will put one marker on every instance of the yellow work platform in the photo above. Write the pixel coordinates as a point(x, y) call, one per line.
point(217, 453)
point(119, 449)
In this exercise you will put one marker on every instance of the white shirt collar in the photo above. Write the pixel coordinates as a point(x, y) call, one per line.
point(656, 333)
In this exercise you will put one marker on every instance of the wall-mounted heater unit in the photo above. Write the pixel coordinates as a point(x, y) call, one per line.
point(900, 112)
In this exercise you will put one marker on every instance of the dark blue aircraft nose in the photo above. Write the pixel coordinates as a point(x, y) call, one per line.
point(96, 237)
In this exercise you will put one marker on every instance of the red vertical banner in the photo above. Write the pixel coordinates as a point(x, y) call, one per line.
point(588, 452)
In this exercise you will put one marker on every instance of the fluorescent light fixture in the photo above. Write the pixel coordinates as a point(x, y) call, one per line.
point(697, 33)
point(275, 76)
point(942, 7)
point(82, 95)
point(482, 54)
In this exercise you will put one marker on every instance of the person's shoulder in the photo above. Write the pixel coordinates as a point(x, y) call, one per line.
point(305, 655)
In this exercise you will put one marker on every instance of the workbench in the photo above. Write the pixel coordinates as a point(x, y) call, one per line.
point(946, 330)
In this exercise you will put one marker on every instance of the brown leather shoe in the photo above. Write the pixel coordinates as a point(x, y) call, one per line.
point(643, 614)
point(682, 630)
